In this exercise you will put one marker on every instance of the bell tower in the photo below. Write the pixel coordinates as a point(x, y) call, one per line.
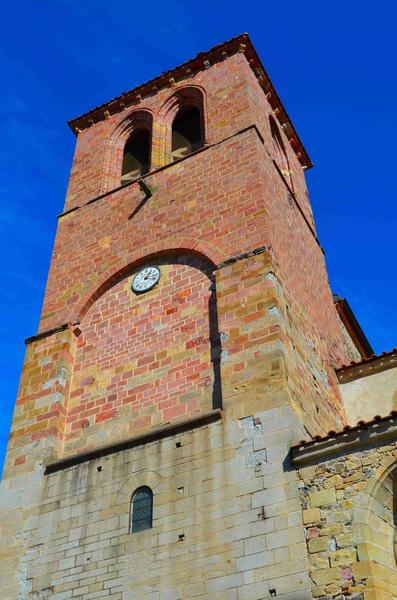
point(188, 338)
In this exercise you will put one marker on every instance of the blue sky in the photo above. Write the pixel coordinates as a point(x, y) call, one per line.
point(333, 64)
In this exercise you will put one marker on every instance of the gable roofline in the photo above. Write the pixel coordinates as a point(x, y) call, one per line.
point(203, 60)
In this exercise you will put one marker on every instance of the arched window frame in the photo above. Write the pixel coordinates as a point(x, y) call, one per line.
point(137, 521)
point(113, 162)
point(375, 523)
point(184, 97)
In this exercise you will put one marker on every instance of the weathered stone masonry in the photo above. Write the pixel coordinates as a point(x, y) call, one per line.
point(348, 495)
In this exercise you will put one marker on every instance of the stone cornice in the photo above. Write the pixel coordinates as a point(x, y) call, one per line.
point(140, 440)
point(369, 366)
point(380, 431)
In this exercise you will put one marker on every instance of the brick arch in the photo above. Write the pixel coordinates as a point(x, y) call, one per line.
point(123, 364)
point(387, 469)
point(374, 529)
point(209, 254)
point(195, 95)
point(141, 118)
point(186, 95)
point(150, 478)
point(182, 255)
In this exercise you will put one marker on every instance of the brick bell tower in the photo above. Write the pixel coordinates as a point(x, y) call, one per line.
point(188, 337)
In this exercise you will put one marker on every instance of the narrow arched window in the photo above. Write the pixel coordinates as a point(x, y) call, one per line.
point(136, 160)
point(141, 509)
point(187, 134)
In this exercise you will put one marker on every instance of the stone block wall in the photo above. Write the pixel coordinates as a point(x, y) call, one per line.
point(349, 516)
point(227, 520)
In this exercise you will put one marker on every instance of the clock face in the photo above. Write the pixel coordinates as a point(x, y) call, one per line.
point(145, 279)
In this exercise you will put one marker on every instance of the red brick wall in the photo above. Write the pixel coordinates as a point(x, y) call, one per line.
point(212, 201)
point(143, 360)
point(225, 103)
point(260, 111)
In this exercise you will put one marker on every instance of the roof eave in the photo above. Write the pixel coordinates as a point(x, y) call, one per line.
point(203, 60)
point(353, 327)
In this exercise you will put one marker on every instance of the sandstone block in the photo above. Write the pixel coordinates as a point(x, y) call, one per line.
point(324, 576)
point(344, 557)
point(323, 497)
point(311, 515)
point(318, 544)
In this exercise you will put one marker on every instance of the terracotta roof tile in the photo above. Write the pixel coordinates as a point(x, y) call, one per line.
point(360, 425)
point(367, 359)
